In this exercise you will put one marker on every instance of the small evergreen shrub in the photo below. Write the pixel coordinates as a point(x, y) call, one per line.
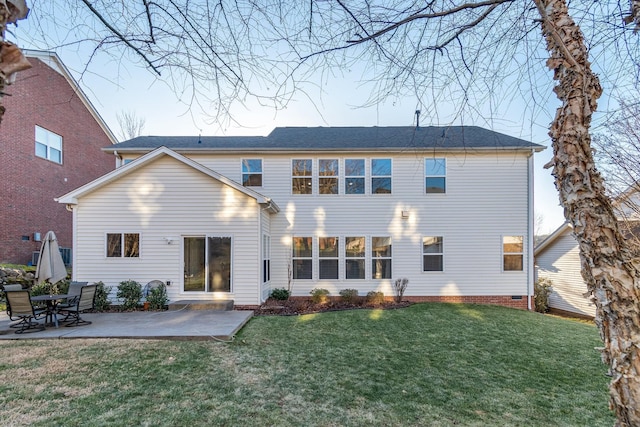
point(280, 294)
point(46, 288)
point(130, 293)
point(319, 296)
point(102, 302)
point(399, 287)
point(349, 295)
point(541, 291)
point(157, 297)
point(375, 297)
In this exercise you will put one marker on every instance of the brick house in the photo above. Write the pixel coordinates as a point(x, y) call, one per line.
point(50, 143)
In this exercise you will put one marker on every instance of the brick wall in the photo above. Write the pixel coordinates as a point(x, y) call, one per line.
point(503, 300)
point(28, 184)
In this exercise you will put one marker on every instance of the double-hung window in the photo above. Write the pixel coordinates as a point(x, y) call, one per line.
point(512, 253)
point(380, 176)
point(328, 253)
point(48, 145)
point(435, 171)
point(301, 176)
point(381, 257)
point(432, 253)
point(302, 257)
point(354, 176)
point(252, 172)
point(123, 245)
point(354, 253)
point(328, 176)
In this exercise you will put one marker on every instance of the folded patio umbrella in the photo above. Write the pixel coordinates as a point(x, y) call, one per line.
point(50, 263)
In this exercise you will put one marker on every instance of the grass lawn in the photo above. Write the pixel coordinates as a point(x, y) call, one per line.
point(426, 365)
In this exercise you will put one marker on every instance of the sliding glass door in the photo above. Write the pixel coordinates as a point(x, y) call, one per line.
point(207, 264)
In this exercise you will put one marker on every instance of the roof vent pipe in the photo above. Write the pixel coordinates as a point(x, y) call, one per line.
point(417, 119)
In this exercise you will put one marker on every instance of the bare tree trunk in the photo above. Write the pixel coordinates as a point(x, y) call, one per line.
point(606, 267)
point(11, 59)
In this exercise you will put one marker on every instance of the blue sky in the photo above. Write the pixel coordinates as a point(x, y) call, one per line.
point(331, 99)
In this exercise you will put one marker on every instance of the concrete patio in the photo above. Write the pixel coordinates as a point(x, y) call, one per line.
point(181, 324)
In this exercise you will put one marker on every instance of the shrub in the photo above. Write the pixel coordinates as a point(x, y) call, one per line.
point(46, 288)
point(280, 294)
point(399, 287)
point(319, 296)
point(102, 302)
point(130, 292)
point(541, 291)
point(349, 295)
point(374, 297)
point(157, 297)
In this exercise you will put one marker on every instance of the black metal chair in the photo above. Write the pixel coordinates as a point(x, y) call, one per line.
point(84, 303)
point(73, 295)
point(19, 307)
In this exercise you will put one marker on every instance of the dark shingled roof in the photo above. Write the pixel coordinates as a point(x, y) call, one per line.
point(396, 138)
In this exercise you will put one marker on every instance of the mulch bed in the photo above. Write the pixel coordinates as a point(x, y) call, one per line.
point(294, 307)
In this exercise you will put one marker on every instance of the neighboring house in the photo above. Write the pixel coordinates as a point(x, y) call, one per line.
point(336, 208)
point(50, 142)
point(558, 258)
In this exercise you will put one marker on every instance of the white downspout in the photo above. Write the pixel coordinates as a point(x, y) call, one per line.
point(531, 231)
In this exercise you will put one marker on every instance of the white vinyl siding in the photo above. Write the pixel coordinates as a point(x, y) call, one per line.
point(167, 199)
point(560, 262)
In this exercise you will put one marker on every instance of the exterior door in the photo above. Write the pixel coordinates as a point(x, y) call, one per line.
point(207, 264)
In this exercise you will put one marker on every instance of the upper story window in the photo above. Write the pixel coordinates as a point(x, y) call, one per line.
point(252, 172)
point(123, 245)
point(380, 176)
point(432, 253)
point(301, 176)
point(435, 171)
point(48, 145)
point(328, 176)
point(512, 253)
point(354, 176)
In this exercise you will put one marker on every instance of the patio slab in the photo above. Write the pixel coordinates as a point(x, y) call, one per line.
point(177, 324)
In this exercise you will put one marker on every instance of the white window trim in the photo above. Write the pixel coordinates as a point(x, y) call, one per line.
point(46, 144)
point(503, 253)
point(332, 258)
point(345, 177)
point(345, 258)
point(424, 184)
point(206, 270)
point(371, 258)
point(422, 254)
point(253, 173)
point(122, 257)
point(314, 255)
point(371, 176)
point(314, 168)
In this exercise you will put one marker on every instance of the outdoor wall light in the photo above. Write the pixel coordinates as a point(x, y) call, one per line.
point(405, 214)
point(169, 240)
point(36, 237)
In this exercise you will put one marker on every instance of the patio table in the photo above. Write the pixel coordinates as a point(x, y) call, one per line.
point(52, 304)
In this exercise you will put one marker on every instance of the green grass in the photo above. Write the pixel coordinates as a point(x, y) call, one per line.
point(427, 365)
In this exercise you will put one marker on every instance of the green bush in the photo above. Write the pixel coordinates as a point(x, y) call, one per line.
point(280, 294)
point(102, 302)
point(375, 297)
point(349, 295)
point(130, 293)
point(157, 297)
point(541, 291)
point(319, 296)
point(46, 288)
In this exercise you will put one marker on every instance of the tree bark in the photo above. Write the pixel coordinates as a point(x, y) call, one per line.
point(611, 278)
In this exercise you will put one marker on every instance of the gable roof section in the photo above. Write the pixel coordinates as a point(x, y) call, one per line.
point(71, 198)
point(351, 139)
point(53, 61)
point(551, 238)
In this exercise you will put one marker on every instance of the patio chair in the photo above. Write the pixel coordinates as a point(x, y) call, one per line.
point(84, 303)
point(74, 295)
point(12, 287)
point(19, 307)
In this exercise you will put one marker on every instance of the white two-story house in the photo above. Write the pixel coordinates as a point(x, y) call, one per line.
point(449, 208)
